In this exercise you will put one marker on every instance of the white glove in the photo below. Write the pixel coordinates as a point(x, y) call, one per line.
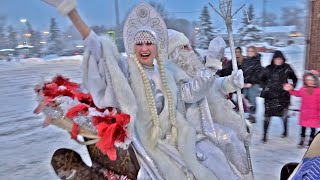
point(237, 78)
point(215, 53)
point(63, 6)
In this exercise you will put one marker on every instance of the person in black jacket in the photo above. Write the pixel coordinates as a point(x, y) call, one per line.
point(276, 100)
point(227, 65)
point(227, 70)
point(252, 68)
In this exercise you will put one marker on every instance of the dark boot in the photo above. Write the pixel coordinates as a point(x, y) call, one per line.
point(252, 118)
point(285, 127)
point(310, 141)
point(265, 128)
point(301, 143)
point(264, 139)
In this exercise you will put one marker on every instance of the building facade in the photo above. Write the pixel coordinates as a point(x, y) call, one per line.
point(313, 42)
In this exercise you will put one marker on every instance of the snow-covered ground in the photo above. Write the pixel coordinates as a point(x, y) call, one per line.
point(26, 147)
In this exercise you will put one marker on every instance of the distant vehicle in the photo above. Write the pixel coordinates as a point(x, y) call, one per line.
point(280, 44)
point(6, 54)
point(71, 52)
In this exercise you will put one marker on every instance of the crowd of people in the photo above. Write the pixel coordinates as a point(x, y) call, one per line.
point(271, 83)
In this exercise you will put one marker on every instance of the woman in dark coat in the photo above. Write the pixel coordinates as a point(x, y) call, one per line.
point(276, 100)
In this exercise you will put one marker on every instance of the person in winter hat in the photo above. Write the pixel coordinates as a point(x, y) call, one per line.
point(276, 100)
point(310, 104)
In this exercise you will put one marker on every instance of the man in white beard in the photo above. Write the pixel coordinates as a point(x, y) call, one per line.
point(225, 120)
point(181, 54)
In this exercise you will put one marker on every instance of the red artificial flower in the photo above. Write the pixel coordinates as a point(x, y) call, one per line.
point(85, 98)
point(74, 111)
point(50, 90)
point(60, 80)
point(66, 92)
point(111, 129)
point(63, 81)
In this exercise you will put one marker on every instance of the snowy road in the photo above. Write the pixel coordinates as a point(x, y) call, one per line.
point(26, 148)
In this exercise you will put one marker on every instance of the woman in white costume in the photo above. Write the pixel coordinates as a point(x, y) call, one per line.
point(141, 85)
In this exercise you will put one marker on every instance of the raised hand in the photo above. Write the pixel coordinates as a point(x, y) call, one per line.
point(287, 87)
point(215, 53)
point(64, 7)
point(237, 78)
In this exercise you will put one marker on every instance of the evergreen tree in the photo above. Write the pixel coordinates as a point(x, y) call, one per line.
point(12, 37)
point(34, 40)
point(206, 30)
point(250, 33)
point(3, 37)
point(54, 43)
point(271, 19)
point(248, 17)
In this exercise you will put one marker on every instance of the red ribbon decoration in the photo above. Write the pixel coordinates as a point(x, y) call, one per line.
point(74, 131)
point(111, 129)
point(74, 111)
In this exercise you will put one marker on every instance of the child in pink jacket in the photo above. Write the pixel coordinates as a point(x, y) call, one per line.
point(310, 104)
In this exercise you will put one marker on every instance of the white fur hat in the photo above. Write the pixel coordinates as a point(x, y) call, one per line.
point(176, 39)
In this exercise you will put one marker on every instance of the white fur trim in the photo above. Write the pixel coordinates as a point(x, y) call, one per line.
point(176, 39)
point(94, 112)
point(66, 6)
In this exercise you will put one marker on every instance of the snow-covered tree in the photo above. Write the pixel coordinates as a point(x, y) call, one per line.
point(12, 37)
point(248, 16)
point(250, 33)
point(34, 39)
point(271, 19)
point(161, 9)
point(3, 37)
point(205, 34)
point(54, 43)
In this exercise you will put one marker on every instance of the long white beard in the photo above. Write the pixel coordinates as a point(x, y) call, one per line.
point(187, 61)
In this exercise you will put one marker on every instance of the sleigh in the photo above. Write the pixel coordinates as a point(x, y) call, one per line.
point(104, 133)
point(289, 170)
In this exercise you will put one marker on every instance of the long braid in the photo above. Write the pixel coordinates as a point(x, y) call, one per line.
point(151, 103)
point(168, 93)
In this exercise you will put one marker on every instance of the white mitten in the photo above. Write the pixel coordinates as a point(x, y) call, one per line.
point(63, 6)
point(237, 78)
point(215, 53)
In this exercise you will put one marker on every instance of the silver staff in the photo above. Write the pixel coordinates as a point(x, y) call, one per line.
point(225, 7)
